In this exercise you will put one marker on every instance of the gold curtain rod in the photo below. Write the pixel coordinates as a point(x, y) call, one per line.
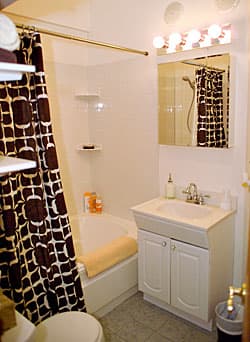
point(204, 66)
point(82, 40)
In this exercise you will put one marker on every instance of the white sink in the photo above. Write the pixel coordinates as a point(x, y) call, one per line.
point(184, 210)
point(179, 211)
point(177, 219)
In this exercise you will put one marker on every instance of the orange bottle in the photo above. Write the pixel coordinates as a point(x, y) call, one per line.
point(99, 205)
point(87, 196)
point(92, 203)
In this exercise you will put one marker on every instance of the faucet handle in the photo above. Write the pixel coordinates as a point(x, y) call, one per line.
point(201, 198)
point(188, 193)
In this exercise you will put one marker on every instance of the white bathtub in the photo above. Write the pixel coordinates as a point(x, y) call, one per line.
point(111, 287)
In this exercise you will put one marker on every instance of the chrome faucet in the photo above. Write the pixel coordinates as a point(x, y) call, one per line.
point(192, 194)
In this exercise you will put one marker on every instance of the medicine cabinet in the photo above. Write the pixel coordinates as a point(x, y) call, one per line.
point(194, 101)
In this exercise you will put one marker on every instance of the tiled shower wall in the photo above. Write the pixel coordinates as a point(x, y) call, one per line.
point(127, 128)
point(122, 172)
point(71, 128)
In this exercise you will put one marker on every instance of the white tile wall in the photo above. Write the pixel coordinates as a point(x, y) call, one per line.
point(71, 128)
point(127, 128)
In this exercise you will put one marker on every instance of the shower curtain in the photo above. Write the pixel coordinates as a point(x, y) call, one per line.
point(37, 258)
point(210, 125)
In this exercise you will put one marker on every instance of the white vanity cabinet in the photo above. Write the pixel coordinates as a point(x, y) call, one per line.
point(174, 272)
point(189, 278)
point(154, 265)
point(185, 262)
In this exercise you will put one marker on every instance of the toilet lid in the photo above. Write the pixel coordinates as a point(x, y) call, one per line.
point(69, 326)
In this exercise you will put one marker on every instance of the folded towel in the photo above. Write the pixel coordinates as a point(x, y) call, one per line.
point(9, 39)
point(105, 257)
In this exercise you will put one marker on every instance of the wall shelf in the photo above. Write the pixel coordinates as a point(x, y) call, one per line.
point(12, 164)
point(89, 147)
point(14, 71)
point(88, 96)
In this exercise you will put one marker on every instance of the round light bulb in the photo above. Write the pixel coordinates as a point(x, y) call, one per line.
point(193, 36)
point(158, 42)
point(175, 39)
point(99, 106)
point(214, 31)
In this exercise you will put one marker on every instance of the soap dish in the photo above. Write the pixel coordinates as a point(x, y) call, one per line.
point(89, 147)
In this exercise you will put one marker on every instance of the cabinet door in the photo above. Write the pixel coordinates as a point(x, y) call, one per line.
point(154, 265)
point(189, 278)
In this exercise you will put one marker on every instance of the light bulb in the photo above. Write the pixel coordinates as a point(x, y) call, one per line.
point(214, 31)
point(175, 39)
point(99, 106)
point(193, 36)
point(158, 42)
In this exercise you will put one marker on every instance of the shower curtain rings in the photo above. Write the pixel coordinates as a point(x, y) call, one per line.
point(28, 31)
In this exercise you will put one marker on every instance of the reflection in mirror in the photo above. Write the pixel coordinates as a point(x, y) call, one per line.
point(194, 102)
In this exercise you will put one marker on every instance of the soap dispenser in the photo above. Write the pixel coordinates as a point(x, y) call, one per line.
point(170, 188)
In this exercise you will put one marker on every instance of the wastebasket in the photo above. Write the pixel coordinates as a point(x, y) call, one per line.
point(229, 326)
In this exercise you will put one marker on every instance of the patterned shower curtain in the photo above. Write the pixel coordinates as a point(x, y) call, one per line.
point(37, 258)
point(210, 125)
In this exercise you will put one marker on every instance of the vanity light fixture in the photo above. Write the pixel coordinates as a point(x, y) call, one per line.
point(159, 42)
point(214, 34)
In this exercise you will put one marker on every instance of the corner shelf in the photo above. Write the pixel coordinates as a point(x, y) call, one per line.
point(12, 164)
point(97, 147)
point(14, 71)
point(88, 96)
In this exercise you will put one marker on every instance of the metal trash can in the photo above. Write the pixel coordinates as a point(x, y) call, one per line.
point(229, 326)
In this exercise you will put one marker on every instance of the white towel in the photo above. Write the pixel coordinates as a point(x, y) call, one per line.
point(9, 39)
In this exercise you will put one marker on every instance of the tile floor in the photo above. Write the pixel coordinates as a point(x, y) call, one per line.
point(136, 320)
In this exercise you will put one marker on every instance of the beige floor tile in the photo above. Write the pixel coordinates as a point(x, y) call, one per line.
point(136, 320)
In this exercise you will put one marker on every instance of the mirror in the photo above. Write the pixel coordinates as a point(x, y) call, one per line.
point(194, 102)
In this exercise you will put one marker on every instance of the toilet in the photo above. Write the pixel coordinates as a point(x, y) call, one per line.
point(72, 326)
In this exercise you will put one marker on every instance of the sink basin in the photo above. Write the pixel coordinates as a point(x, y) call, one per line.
point(183, 221)
point(184, 210)
point(179, 211)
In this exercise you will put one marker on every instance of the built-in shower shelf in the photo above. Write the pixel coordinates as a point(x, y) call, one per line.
point(14, 71)
point(88, 96)
point(89, 147)
point(12, 164)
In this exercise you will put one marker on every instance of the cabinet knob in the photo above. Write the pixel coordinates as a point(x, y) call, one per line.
point(173, 247)
point(164, 244)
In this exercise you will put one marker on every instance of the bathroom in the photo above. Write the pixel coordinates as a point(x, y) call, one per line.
point(131, 167)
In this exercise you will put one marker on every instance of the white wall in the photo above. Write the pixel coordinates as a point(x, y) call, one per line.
point(128, 171)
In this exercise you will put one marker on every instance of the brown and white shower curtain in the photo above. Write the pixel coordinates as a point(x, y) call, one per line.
point(37, 258)
point(210, 125)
